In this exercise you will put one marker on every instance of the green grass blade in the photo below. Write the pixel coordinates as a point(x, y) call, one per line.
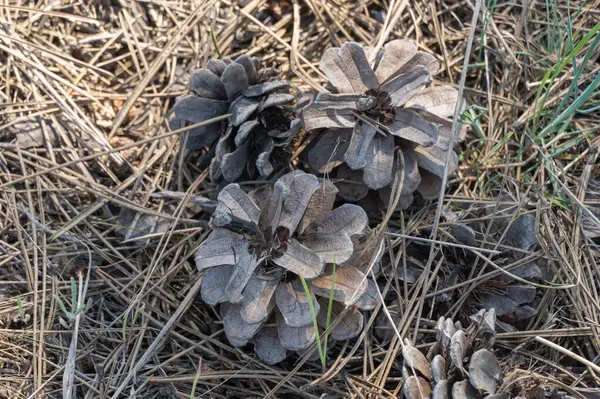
point(571, 109)
point(196, 378)
point(314, 319)
point(329, 306)
point(553, 73)
point(214, 42)
point(73, 294)
point(20, 307)
point(61, 304)
point(124, 329)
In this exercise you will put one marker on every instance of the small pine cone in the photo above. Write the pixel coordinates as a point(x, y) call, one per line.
point(253, 260)
point(463, 366)
point(257, 135)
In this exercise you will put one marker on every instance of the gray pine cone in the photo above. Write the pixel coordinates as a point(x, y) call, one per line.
point(260, 128)
point(463, 366)
point(512, 298)
point(253, 259)
point(372, 110)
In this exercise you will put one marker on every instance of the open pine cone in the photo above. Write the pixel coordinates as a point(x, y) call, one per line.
point(256, 134)
point(463, 366)
point(511, 295)
point(254, 257)
point(372, 110)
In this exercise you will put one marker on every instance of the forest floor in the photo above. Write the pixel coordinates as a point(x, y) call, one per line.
point(86, 90)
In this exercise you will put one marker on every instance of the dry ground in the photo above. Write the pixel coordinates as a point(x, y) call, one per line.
point(93, 82)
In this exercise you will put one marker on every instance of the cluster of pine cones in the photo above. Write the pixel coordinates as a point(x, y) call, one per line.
point(283, 261)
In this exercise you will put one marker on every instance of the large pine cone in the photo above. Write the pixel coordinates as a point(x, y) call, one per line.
point(375, 104)
point(253, 260)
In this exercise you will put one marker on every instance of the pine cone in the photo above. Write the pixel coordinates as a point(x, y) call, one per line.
point(370, 111)
point(256, 253)
point(512, 298)
point(463, 366)
point(256, 135)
